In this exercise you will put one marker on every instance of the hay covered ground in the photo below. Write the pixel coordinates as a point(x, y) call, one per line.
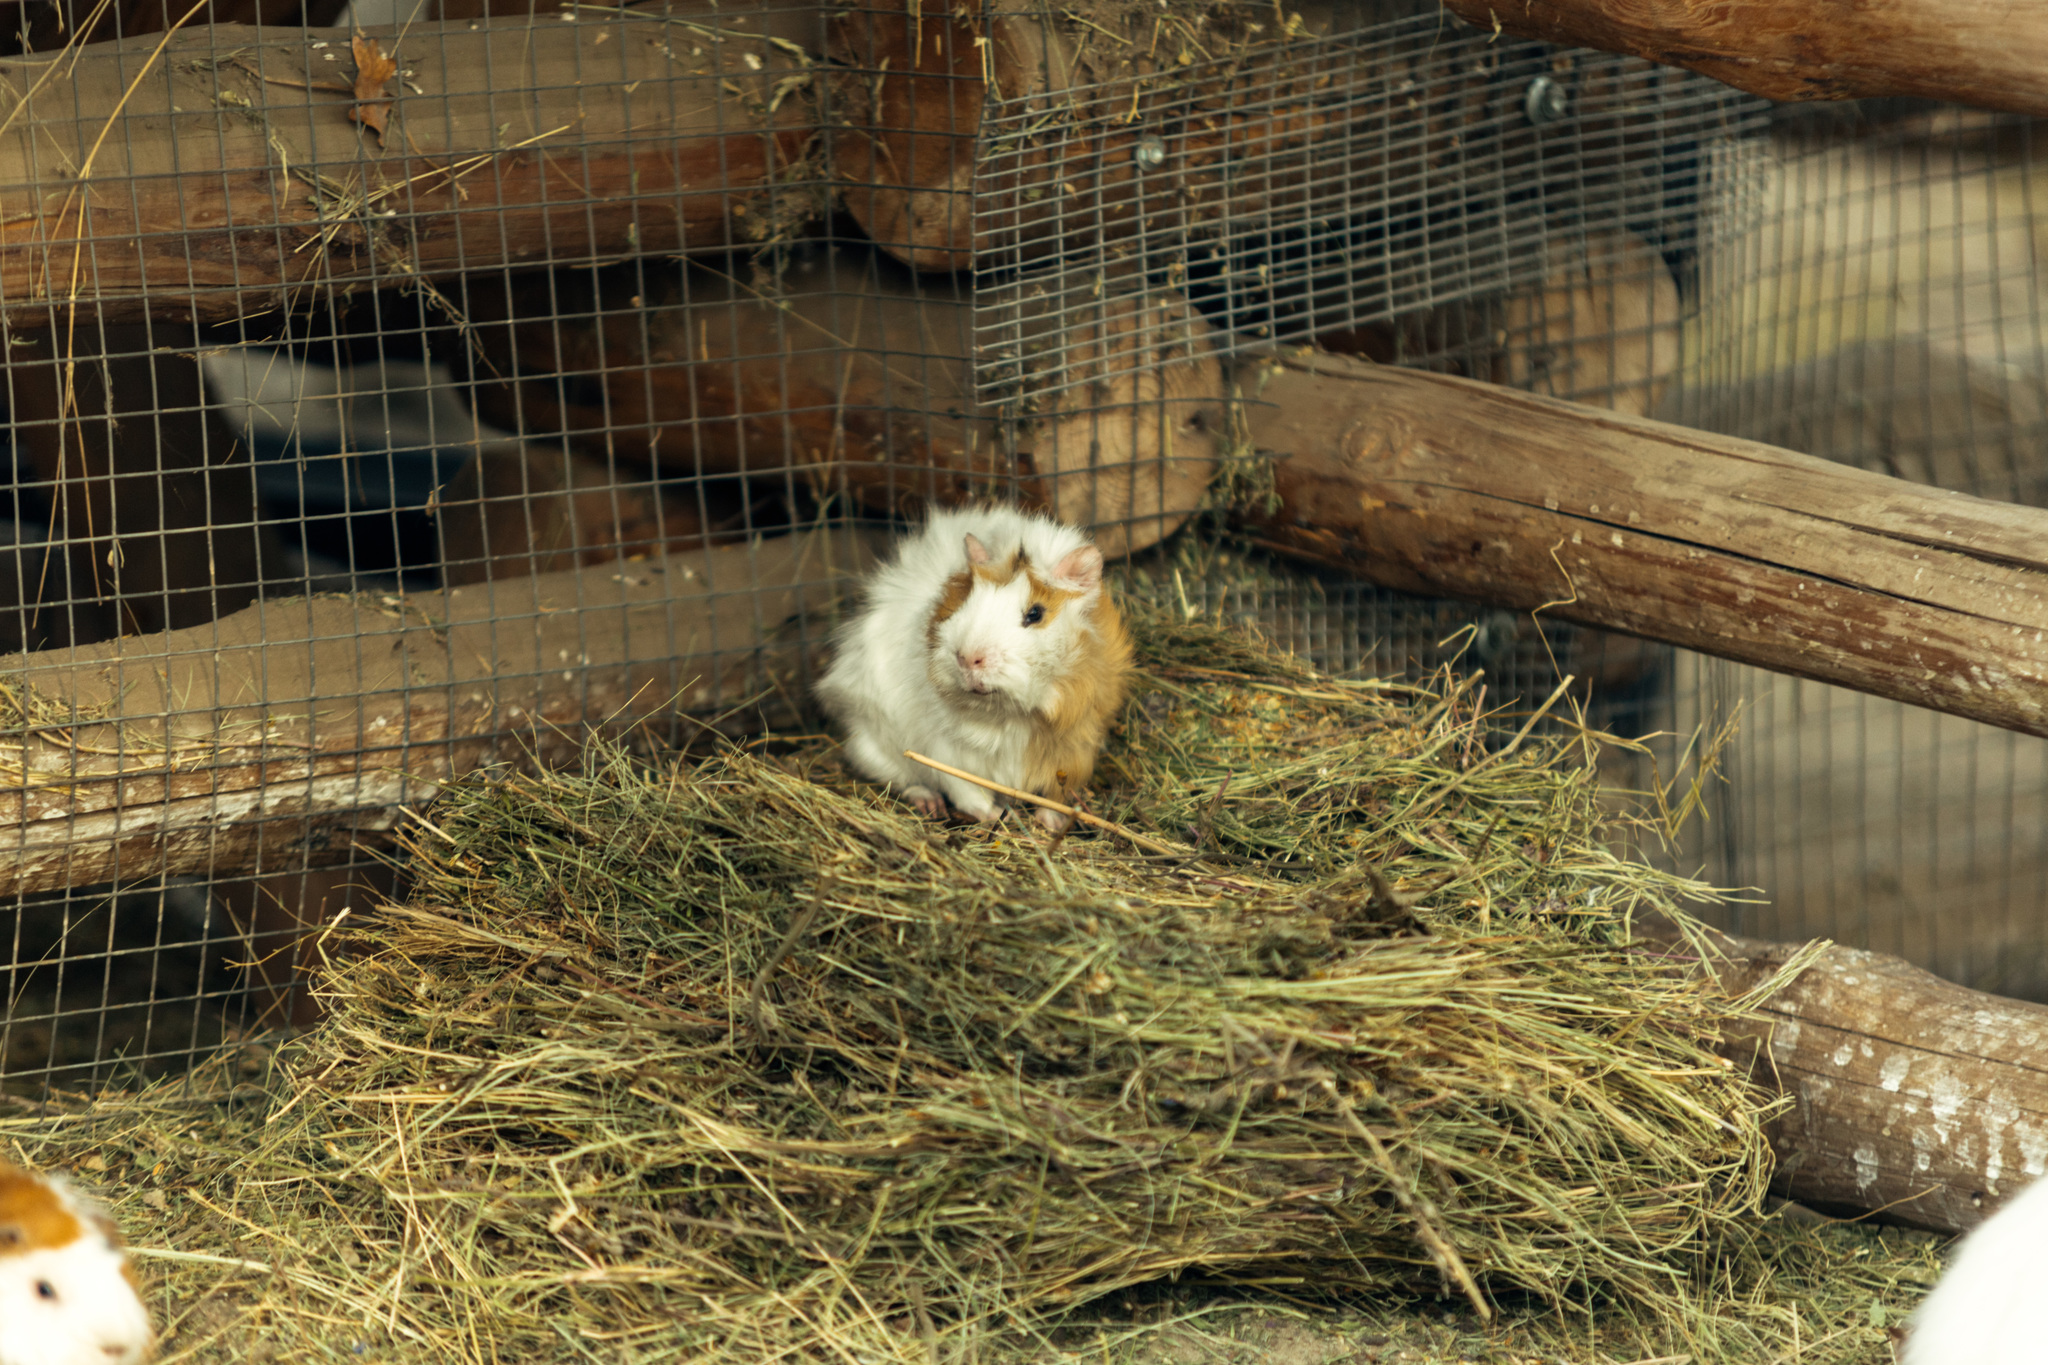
point(740, 1060)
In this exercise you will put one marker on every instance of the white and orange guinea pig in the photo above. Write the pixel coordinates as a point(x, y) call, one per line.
point(1988, 1308)
point(990, 644)
point(66, 1294)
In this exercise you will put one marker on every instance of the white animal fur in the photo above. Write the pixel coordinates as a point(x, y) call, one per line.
point(1988, 1308)
point(894, 692)
point(68, 1303)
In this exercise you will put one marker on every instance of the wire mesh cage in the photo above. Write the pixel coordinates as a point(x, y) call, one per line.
point(415, 392)
point(1880, 305)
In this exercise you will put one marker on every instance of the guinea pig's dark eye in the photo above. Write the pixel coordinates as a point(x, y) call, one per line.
point(46, 1290)
point(1035, 615)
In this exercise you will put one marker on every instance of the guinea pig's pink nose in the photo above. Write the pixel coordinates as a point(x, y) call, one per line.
point(971, 662)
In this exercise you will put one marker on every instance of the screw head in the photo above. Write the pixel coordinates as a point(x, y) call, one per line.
point(1545, 101)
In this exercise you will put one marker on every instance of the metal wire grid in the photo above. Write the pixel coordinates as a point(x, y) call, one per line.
point(1335, 184)
point(547, 422)
point(402, 449)
point(1873, 295)
point(301, 488)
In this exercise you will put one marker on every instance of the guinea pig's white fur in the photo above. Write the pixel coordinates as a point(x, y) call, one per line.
point(1988, 1308)
point(988, 644)
point(65, 1293)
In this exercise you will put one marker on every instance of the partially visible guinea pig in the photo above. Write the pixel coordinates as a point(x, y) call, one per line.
point(66, 1294)
point(1988, 1308)
point(990, 644)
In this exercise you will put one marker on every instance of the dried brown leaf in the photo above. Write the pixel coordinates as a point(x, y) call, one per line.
point(374, 71)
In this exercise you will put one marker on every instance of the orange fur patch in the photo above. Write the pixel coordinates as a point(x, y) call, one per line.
point(950, 601)
point(1067, 738)
point(32, 1215)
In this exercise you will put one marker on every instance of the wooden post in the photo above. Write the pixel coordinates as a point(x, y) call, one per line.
point(1451, 487)
point(1981, 52)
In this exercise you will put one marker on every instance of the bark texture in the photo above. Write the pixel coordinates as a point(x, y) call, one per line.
point(1981, 52)
point(1910, 1095)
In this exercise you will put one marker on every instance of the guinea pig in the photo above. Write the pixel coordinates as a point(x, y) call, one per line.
point(990, 644)
point(1988, 1308)
point(67, 1296)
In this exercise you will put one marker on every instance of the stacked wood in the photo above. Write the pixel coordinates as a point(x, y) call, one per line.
point(1981, 52)
point(1449, 487)
point(860, 383)
point(1124, 122)
point(623, 132)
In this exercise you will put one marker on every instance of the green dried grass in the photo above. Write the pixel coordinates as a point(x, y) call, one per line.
point(742, 1061)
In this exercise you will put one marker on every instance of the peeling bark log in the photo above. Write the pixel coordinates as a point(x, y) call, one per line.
point(1981, 52)
point(276, 737)
point(622, 134)
point(1450, 487)
point(1910, 1095)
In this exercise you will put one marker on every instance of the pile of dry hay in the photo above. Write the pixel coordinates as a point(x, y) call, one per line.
point(742, 1060)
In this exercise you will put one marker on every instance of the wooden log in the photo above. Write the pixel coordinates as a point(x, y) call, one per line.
point(1450, 487)
point(1910, 1095)
point(1119, 123)
point(860, 384)
point(1981, 52)
point(281, 735)
point(623, 132)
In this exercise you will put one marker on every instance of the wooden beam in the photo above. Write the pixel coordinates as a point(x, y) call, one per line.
point(279, 735)
point(1981, 52)
point(1910, 1095)
point(224, 176)
point(1450, 487)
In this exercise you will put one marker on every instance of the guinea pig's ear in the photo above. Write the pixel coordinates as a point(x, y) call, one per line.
point(1081, 569)
point(977, 553)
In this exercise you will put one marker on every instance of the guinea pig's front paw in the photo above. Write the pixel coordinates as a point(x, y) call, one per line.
point(928, 802)
point(1059, 822)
